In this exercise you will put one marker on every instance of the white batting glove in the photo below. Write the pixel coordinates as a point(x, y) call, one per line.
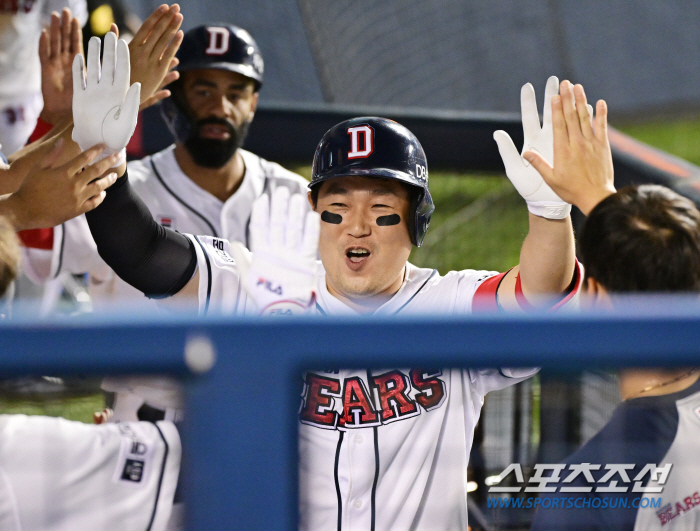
point(541, 200)
point(105, 108)
point(281, 276)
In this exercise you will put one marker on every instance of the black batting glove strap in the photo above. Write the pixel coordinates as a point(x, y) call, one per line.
point(155, 260)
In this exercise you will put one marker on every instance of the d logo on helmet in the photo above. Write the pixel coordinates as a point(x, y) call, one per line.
point(368, 134)
point(218, 41)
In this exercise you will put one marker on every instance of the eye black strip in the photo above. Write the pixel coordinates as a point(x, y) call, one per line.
point(330, 217)
point(386, 221)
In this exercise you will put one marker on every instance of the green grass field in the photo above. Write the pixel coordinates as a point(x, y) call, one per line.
point(479, 222)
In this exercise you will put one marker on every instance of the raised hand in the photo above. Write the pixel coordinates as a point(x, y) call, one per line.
point(105, 108)
point(153, 51)
point(50, 195)
point(281, 276)
point(583, 169)
point(58, 45)
point(540, 198)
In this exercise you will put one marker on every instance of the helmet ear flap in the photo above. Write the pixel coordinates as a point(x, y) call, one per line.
point(422, 208)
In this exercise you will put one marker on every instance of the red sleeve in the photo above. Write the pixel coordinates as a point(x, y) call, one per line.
point(40, 130)
point(567, 295)
point(485, 297)
point(37, 238)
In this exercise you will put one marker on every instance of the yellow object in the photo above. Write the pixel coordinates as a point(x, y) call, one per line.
point(101, 19)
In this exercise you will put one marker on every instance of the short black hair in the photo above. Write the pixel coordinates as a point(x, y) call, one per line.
point(643, 238)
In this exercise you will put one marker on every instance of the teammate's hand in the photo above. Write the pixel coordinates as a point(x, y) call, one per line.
point(153, 51)
point(50, 195)
point(540, 198)
point(583, 168)
point(58, 46)
point(105, 108)
point(281, 276)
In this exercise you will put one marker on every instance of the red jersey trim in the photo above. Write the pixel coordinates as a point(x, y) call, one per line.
point(486, 295)
point(572, 290)
point(37, 238)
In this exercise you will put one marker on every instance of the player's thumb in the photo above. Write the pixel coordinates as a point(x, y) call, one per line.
point(118, 132)
point(540, 164)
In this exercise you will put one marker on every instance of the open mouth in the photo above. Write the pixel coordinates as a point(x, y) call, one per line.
point(215, 131)
point(357, 255)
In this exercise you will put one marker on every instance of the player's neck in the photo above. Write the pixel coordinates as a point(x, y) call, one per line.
point(367, 304)
point(637, 383)
point(222, 182)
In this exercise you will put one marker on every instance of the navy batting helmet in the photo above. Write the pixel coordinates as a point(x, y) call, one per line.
point(377, 147)
point(216, 46)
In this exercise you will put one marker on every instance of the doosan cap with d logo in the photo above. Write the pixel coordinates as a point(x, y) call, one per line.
point(212, 46)
point(378, 147)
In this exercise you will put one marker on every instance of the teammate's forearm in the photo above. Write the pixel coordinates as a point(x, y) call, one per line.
point(547, 257)
point(155, 260)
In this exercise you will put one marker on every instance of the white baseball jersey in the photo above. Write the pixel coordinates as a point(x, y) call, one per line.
point(178, 203)
point(658, 431)
point(21, 22)
point(382, 449)
point(61, 475)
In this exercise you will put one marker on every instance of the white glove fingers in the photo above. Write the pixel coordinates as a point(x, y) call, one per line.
point(109, 57)
point(295, 227)
point(279, 205)
point(93, 62)
point(122, 71)
point(78, 75)
point(551, 90)
point(259, 223)
point(530, 117)
point(312, 229)
point(516, 169)
point(509, 153)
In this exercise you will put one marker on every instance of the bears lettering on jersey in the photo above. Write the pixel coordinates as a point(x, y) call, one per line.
point(432, 389)
point(391, 396)
point(318, 401)
point(358, 410)
point(392, 388)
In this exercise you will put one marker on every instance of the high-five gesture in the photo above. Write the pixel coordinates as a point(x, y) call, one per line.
point(540, 198)
point(105, 108)
point(153, 51)
point(583, 168)
point(58, 46)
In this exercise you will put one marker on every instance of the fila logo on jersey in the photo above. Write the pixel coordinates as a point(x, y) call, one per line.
point(218, 41)
point(269, 287)
point(367, 134)
point(391, 396)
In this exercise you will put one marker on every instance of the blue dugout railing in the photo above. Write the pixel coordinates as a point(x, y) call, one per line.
point(240, 432)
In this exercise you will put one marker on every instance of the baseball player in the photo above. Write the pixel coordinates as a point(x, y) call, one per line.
point(21, 23)
point(204, 183)
point(378, 449)
point(66, 476)
point(640, 239)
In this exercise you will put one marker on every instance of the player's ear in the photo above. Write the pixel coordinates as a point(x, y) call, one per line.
point(253, 105)
point(311, 200)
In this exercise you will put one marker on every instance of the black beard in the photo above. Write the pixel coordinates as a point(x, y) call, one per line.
point(212, 153)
